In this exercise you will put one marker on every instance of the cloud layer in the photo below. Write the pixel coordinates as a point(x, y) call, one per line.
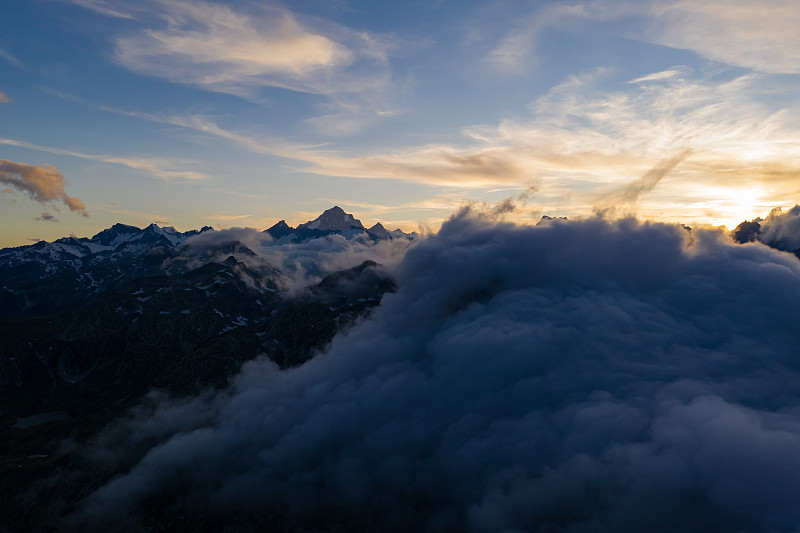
point(741, 33)
point(304, 263)
point(41, 183)
point(576, 376)
point(240, 49)
point(214, 46)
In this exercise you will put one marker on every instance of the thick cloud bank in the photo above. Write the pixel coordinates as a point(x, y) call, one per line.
point(576, 376)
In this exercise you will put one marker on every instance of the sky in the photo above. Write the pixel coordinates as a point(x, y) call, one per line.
point(242, 113)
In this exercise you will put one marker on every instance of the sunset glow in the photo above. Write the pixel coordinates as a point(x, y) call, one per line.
point(195, 113)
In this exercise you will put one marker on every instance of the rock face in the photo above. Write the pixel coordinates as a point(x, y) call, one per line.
point(379, 232)
point(333, 219)
point(281, 229)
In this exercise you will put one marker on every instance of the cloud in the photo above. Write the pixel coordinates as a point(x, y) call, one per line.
point(4, 99)
point(236, 50)
point(445, 165)
point(780, 229)
point(515, 53)
point(628, 196)
point(506, 386)
point(658, 76)
point(11, 59)
point(581, 142)
point(102, 7)
point(214, 46)
point(47, 217)
point(741, 33)
point(226, 217)
point(300, 264)
point(41, 183)
point(242, 49)
point(159, 167)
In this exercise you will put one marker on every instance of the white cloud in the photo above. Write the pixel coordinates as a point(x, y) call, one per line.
point(103, 7)
point(758, 35)
point(11, 59)
point(658, 76)
point(158, 167)
point(242, 49)
point(216, 47)
point(239, 50)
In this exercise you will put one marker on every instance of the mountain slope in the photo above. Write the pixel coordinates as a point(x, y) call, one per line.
point(333, 219)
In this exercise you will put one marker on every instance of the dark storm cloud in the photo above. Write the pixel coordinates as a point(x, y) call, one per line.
point(41, 183)
point(578, 376)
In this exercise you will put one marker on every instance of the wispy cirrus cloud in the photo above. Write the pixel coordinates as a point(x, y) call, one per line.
point(743, 33)
point(243, 49)
point(220, 216)
point(756, 35)
point(41, 183)
point(104, 7)
point(218, 48)
point(158, 167)
point(8, 56)
point(662, 75)
point(516, 51)
point(581, 143)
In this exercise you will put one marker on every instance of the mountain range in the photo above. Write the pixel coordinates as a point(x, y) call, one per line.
point(334, 220)
point(90, 326)
point(103, 320)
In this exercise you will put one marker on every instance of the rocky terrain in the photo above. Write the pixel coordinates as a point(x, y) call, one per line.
point(90, 326)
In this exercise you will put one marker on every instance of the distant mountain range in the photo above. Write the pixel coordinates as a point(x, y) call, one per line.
point(40, 278)
point(154, 308)
point(334, 220)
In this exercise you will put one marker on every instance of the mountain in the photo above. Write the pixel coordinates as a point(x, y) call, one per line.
point(90, 326)
point(379, 232)
point(333, 219)
point(128, 304)
point(281, 229)
point(47, 277)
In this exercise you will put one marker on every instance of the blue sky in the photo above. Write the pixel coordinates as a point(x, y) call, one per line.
point(243, 113)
